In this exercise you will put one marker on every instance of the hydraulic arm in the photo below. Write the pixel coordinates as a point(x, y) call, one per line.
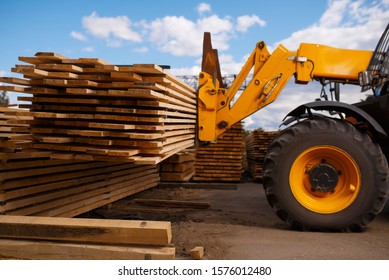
point(271, 72)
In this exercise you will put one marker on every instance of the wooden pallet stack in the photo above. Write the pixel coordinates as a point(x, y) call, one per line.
point(31, 183)
point(222, 160)
point(47, 238)
point(179, 167)
point(257, 143)
point(88, 109)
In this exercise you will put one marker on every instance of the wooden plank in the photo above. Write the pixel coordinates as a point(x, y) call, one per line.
point(45, 250)
point(85, 61)
point(50, 56)
point(16, 81)
point(60, 67)
point(33, 72)
point(86, 230)
point(43, 57)
point(197, 253)
point(13, 88)
point(123, 76)
point(143, 69)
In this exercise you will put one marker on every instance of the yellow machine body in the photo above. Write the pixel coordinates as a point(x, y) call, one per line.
point(271, 72)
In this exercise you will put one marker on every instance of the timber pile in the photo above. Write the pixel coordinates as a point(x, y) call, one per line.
point(179, 167)
point(47, 238)
point(223, 160)
point(257, 143)
point(14, 131)
point(31, 183)
point(88, 109)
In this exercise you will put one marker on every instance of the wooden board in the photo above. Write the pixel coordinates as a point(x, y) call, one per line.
point(86, 230)
point(46, 250)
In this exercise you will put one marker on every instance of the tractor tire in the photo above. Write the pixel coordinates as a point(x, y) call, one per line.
point(324, 174)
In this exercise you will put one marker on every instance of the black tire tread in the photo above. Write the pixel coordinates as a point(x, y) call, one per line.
point(312, 126)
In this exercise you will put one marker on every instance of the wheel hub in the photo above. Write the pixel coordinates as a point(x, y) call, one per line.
point(323, 178)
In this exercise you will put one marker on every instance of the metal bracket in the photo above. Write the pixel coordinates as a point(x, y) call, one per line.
point(267, 95)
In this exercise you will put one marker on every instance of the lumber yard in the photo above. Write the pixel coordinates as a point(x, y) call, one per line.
point(87, 135)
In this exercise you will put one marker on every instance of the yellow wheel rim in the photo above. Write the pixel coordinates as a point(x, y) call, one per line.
point(331, 162)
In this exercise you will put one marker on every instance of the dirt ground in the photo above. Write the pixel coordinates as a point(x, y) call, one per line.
point(239, 224)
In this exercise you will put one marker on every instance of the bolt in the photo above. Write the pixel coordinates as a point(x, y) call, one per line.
point(261, 45)
point(222, 124)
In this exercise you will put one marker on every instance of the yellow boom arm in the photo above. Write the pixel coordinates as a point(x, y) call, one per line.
point(271, 72)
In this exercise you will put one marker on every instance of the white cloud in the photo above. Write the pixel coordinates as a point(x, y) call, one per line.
point(345, 24)
point(203, 8)
point(176, 35)
point(333, 16)
point(78, 36)
point(2, 73)
point(180, 36)
point(243, 23)
point(228, 64)
point(113, 29)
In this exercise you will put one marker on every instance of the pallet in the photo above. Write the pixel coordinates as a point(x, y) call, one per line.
point(88, 109)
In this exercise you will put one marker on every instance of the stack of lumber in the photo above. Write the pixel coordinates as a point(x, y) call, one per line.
point(257, 143)
point(42, 186)
point(47, 238)
point(14, 131)
point(88, 109)
point(223, 160)
point(31, 183)
point(179, 167)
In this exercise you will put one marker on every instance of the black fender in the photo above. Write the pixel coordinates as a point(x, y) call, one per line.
point(305, 111)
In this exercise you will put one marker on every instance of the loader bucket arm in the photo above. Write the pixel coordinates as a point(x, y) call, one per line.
point(216, 111)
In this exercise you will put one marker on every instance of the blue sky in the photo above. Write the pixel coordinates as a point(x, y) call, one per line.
point(170, 32)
